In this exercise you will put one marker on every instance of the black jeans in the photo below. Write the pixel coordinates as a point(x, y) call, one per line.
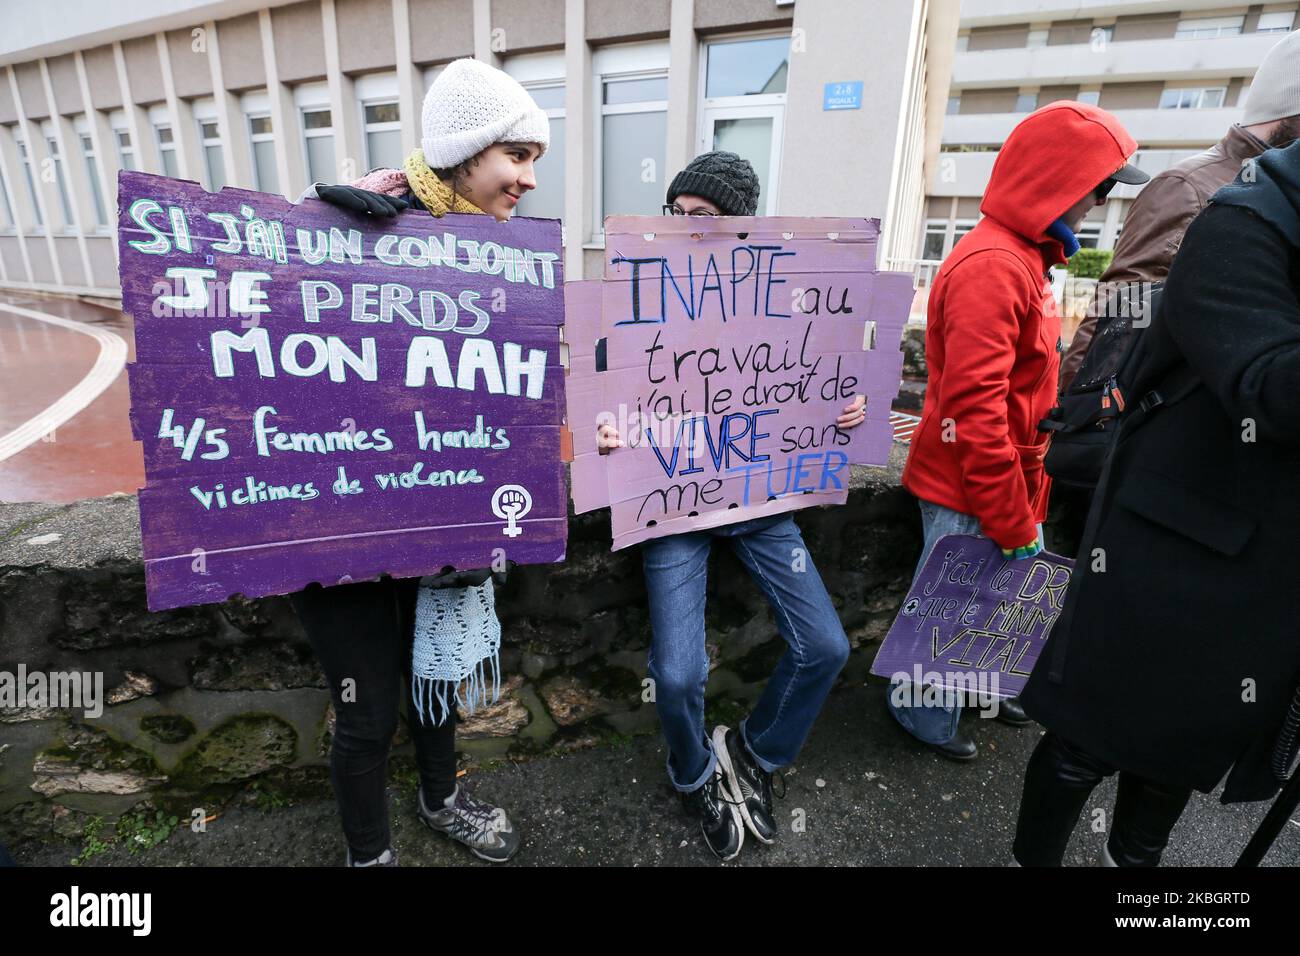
point(1058, 781)
point(362, 634)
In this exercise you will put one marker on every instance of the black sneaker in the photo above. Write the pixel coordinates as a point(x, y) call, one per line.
point(719, 819)
point(749, 785)
point(485, 829)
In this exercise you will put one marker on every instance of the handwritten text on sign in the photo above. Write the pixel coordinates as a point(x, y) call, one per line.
point(974, 620)
point(730, 347)
point(323, 397)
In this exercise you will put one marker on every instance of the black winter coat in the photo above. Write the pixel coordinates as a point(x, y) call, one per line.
point(1178, 661)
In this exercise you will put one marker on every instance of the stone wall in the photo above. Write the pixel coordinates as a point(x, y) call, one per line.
point(204, 700)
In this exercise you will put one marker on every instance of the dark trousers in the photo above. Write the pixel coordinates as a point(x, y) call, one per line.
point(362, 634)
point(1058, 781)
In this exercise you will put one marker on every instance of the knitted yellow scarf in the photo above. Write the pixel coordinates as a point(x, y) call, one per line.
point(436, 195)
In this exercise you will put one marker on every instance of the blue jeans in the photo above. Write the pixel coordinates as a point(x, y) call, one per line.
point(937, 723)
point(773, 551)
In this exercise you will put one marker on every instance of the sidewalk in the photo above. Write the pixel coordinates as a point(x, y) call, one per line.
point(870, 798)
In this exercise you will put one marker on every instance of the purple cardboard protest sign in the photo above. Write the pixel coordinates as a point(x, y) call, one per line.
point(730, 346)
point(323, 397)
point(974, 620)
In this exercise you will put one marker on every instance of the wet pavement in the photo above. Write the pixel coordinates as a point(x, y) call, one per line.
point(64, 431)
point(862, 793)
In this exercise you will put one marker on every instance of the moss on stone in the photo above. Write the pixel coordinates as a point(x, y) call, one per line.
point(91, 749)
point(167, 728)
point(239, 748)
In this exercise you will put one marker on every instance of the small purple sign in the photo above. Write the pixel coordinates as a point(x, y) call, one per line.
point(974, 620)
point(323, 397)
point(730, 347)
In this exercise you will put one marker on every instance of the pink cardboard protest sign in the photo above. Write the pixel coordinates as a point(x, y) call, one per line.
point(723, 350)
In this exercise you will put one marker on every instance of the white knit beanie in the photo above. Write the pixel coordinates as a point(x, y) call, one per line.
point(1275, 90)
point(472, 105)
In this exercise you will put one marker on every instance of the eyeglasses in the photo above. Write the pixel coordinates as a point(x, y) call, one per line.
point(1102, 191)
point(675, 210)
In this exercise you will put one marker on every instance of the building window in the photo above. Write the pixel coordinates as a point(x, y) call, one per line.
point(262, 138)
point(61, 180)
point(210, 138)
point(1089, 235)
point(1206, 28)
point(744, 105)
point(383, 136)
point(1089, 96)
point(1036, 39)
point(1101, 36)
point(936, 231)
point(167, 151)
point(954, 105)
point(960, 229)
point(1193, 98)
point(1276, 22)
point(963, 42)
point(92, 173)
point(125, 151)
point(318, 135)
point(747, 67)
point(1026, 103)
point(26, 161)
point(633, 127)
point(547, 200)
point(10, 221)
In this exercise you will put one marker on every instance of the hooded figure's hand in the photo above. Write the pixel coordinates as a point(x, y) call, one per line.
point(1023, 551)
point(362, 200)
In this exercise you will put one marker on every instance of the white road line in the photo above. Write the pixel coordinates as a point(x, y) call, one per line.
point(108, 366)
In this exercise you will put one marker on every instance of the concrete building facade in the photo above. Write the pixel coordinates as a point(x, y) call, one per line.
point(1175, 72)
point(837, 103)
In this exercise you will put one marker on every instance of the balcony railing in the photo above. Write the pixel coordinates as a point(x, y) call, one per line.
point(1168, 128)
point(1113, 62)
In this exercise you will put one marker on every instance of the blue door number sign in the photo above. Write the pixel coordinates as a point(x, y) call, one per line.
point(843, 96)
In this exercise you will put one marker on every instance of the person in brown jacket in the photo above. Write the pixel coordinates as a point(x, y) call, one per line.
point(1161, 214)
point(1167, 205)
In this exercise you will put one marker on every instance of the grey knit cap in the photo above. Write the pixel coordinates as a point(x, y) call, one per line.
point(1275, 90)
point(723, 178)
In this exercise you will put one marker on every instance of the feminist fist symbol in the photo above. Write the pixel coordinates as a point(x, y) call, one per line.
point(511, 502)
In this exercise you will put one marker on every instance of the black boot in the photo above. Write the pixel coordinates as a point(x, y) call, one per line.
point(961, 748)
point(1010, 712)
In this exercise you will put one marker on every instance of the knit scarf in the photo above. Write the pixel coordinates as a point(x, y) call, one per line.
point(457, 633)
point(436, 195)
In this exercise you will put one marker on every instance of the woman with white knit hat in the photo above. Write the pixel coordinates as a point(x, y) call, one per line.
point(481, 134)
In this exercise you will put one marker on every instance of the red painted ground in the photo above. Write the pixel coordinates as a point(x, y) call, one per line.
point(93, 453)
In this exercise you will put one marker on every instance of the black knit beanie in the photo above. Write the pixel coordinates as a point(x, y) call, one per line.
point(723, 178)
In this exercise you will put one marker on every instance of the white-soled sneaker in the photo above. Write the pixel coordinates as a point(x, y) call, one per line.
point(485, 829)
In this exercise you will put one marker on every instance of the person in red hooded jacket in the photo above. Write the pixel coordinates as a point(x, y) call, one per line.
point(992, 347)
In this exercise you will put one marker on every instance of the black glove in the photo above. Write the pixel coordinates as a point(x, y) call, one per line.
point(449, 577)
point(362, 200)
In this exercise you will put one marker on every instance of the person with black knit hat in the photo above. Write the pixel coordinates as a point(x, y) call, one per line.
point(725, 778)
point(725, 182)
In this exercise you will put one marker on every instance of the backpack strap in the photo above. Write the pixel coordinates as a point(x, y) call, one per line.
point(1176, 386)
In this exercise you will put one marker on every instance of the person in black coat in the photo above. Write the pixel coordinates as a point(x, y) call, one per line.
point(1178, 651)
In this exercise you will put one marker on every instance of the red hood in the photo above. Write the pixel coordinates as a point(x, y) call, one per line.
point(1050, 161)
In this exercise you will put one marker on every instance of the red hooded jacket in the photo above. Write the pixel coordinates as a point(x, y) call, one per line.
point(993, 327)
